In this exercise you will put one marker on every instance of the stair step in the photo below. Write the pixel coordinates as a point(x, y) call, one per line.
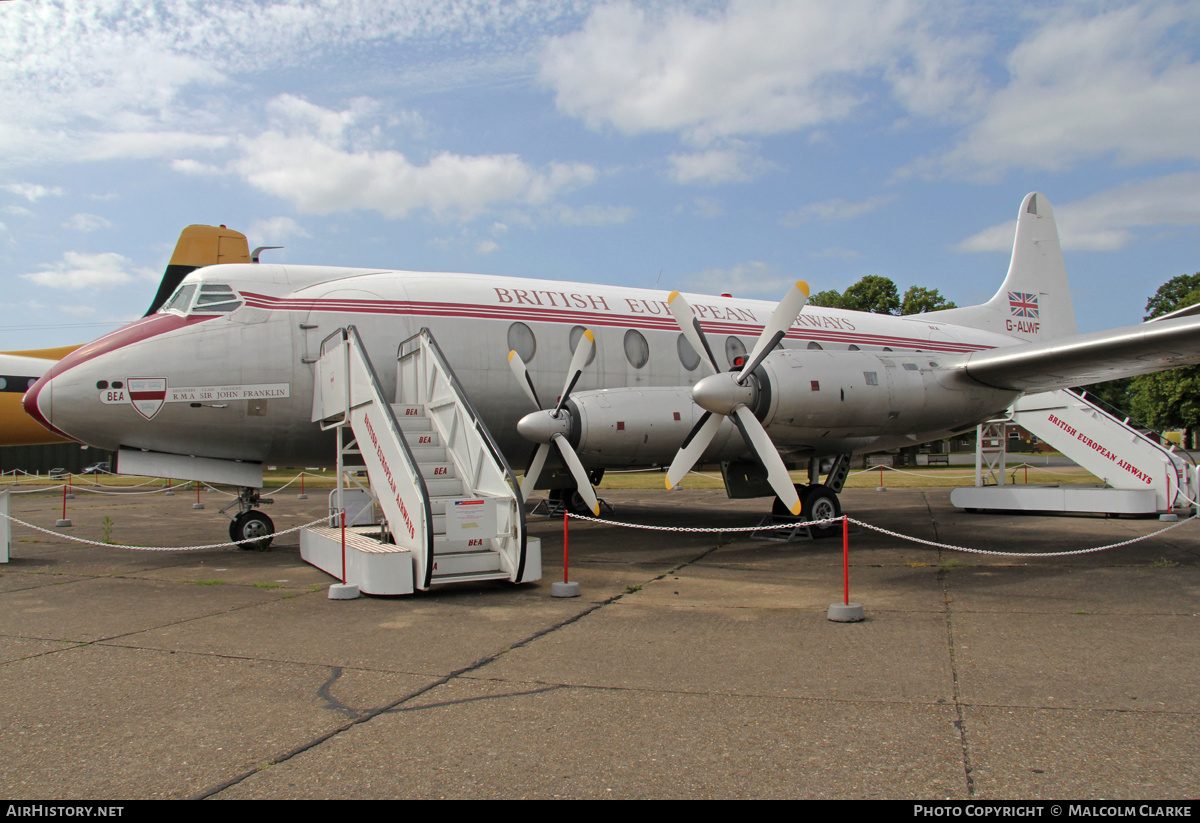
point(438, 580)
point(427, 437)
point(452, 487)
point(428, 454)
point(442, 546)
point(437, 471)
point(460, 563)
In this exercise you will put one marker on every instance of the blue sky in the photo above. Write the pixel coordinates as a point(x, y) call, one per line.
point(707, 146)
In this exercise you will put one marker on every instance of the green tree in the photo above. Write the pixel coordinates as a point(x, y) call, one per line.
point(873, 293)
point(1170, 399)
point(830, 299)
point(1177, 293)
point(920, 299)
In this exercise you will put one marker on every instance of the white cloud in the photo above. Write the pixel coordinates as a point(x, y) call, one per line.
point(1110, 219)
point(1122, 83)
point(146, 78)
point(751, 278)
point(729, 164)
point(592, 215)
point(32, 192)
point(753, 68)
point(322, 161)
point(194, 168)
point(78, 311)
point(836, 209)
point(274, 231)
point(18, 211)
point(89, 271)
point(487, 247)
point(87, 222)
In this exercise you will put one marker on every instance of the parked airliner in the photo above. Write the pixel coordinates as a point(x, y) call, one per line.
point(219, 380)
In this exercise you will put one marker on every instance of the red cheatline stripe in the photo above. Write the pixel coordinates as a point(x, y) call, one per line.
point(592, 318)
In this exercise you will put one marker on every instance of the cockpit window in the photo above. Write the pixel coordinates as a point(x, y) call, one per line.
point(180, 300)
point(215, 298)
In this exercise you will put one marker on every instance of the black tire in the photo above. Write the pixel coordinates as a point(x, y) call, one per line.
point(780, 510)
point(820, 503)
point(248, 530)
point(572, 500)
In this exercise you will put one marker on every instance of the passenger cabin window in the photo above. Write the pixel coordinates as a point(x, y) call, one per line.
point(637, 350)
point(522, 341)
point(734, 348)
point(216, 298)
point(574, 338)
point(687, 355)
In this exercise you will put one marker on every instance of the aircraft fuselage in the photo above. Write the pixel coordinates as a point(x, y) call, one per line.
point(234, 379)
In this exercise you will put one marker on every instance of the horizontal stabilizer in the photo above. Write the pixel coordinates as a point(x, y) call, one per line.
point(1084, 359)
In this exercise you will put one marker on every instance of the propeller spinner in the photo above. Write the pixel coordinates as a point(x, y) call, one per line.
point(729, 394)
point(548, 426)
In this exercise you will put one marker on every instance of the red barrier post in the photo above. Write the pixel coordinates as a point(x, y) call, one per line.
point(845, 612)
point(565, 577)
point(343, 546)
point(845, 560)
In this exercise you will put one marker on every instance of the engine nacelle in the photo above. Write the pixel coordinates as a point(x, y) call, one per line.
point(812, 402)
point(614, 427)
point(818, 395)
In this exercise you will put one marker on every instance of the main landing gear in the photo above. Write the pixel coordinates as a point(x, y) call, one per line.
point(250, 527)
point(571, 499)
point(819, 501)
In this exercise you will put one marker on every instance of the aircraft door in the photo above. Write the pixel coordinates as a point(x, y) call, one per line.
point(379, 321)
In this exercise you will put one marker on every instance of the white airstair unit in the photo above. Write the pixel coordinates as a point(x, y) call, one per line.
point(451, 506)
point(1140, 475)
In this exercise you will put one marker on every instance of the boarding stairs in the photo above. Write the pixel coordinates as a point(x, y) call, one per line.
point(1140, 475)
point(451, 506)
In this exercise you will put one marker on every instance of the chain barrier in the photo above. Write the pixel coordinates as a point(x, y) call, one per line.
point(273, 535)
point(881, 530)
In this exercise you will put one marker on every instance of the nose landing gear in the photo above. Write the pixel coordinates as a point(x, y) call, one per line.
point(250, 527)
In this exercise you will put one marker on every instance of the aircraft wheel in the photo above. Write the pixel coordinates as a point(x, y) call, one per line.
point(250, 529)
point(572, 500)
point(820, 503)
point(780, 510)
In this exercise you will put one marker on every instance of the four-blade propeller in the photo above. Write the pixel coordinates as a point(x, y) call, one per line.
point(729, 394)
point(553, 426)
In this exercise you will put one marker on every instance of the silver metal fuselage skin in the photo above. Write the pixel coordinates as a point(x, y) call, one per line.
point(239, 385)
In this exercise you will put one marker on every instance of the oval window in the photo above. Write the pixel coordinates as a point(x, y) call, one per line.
point(576, 336)
point(687, 355)
point(734, 349)
point(814, 345)
point(637, 350)
point(521, 340)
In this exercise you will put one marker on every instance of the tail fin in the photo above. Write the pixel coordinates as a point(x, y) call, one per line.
point(200, 246)
point(1034, 302)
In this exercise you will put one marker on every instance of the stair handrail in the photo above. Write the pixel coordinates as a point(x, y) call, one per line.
point(353, 340)
point(1133, 425)
point(424, 339)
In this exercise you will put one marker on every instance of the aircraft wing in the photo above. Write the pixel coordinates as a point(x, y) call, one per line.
point(1083, 359)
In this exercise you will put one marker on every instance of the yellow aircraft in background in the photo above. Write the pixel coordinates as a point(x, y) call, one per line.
point(198, 246)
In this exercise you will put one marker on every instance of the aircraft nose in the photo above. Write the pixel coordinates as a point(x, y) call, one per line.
point(38, 401)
